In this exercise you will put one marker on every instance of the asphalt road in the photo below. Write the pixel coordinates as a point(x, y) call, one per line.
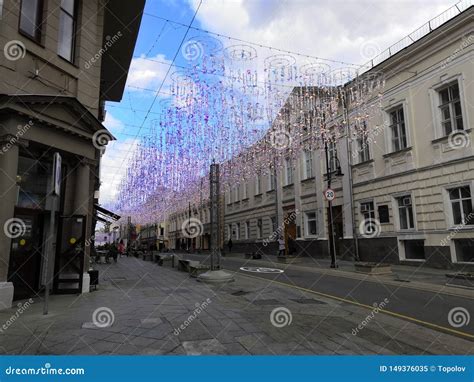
point(423, 307)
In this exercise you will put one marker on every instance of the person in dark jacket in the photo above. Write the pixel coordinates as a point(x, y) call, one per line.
point(229, 245)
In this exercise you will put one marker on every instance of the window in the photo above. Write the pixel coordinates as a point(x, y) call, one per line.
point(247, 230)
point(237, 231)
point(236, 193)
point(414, 249)
point(450, 108)
point(367, 210)
point(363, 144)
point(258, 185)
point(464, 250)
point(397, 129)
point(31, 18)
point(461, 205)
point(311, 227)
point(259, 228)
point(67, 29)
point(332, 153)
point(288, 171)
point(405, 212)
point(229, 231)
point(271, 180)
point(308, 164)
point(244, 191)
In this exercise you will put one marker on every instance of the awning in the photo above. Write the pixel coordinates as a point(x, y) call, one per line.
point(106, 213)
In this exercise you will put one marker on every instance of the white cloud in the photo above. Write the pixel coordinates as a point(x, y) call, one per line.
point(147, 73)
point(113, 167)
point(113, 124)
point(323, 28)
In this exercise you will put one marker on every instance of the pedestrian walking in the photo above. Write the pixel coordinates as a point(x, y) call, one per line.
point(229, 244)
point(281, 246)
point(121, 248)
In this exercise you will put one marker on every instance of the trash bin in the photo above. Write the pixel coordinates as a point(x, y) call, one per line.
point(94, 278)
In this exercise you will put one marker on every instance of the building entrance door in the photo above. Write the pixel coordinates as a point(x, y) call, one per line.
point(25, 254)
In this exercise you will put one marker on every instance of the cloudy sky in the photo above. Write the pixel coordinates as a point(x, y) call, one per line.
point(351, 31)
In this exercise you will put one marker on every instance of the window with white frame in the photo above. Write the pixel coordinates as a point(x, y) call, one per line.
point(229, 231)
point(310, 224)
point(405, 212)
point(237, 231)
point(288, 171)
point(308, 164)
point(244, 190)
point(236, 193)
point(258, 186)
point(332, 153)
point(363, 144)
point(271, 179)
point(461, 205)
point(398, 129)
point(247, 230)
point(367, 210)
point(450, 108)
point(259, 228)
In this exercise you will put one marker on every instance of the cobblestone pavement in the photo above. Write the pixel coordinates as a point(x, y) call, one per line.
point(142, 308)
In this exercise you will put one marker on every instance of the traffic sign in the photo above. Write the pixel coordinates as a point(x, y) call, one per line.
point(329, 194)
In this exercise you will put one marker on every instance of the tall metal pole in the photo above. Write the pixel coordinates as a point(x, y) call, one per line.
point(332, 243)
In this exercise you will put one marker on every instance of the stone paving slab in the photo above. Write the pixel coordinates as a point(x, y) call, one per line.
point(158, 310)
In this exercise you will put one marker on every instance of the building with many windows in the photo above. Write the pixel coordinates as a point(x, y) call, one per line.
point(60, 61)
point(403, 176)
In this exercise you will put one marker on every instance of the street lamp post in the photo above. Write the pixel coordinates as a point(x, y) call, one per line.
point(332, 243)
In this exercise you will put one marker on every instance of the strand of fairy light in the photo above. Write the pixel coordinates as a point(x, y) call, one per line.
point(183, 183)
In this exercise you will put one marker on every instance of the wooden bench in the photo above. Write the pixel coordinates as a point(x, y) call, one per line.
point(196, 269)
point(161, 258)
point(147, 256)
point(253, 255)
point(183, 265)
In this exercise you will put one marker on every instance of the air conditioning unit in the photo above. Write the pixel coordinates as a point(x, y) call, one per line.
point(364, 208)
point(406, 201)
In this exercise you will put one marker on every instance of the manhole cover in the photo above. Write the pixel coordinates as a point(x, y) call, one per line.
point(240, 293)
point(307, 301)
point(261, 270)
point(270, 301)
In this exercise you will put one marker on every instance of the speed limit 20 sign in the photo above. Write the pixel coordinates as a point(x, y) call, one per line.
point(329, 194)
